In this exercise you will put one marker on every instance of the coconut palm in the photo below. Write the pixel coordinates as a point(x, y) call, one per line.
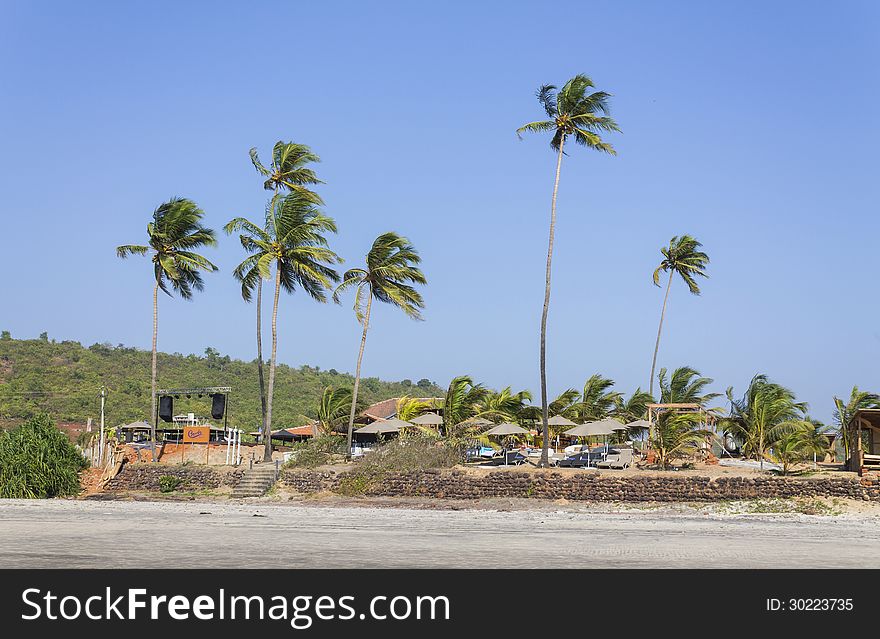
point(288, 172)
point(597, 401)
point(843, 413)
point(796, 441)
point(573, 111)
point(292, 239)
point(681, 257)
point(677, 435)
point(391, 271)
point(411, 407)
point(634, 408)
point(460, 404)
point(684, 386)
point(333, 409)
point(503, 405)
point(173, 235)
point(758, 414)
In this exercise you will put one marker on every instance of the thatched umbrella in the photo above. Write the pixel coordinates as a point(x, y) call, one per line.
point(428, 419)
point(506, 429)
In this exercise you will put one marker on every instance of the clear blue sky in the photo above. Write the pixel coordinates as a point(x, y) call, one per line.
point(751, 125)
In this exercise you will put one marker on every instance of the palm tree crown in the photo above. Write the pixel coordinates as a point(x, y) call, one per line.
point(293, 238)
point(388, 277)
point(683, 257)
point(288, 170)
point(574, 110)
point(173, 234)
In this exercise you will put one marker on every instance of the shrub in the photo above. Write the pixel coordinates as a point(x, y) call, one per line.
point(410, 454)
point(169, 483)
point(38, 461)
point(316, 451)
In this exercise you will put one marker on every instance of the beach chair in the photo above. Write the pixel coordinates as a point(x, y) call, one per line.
point(623, 459)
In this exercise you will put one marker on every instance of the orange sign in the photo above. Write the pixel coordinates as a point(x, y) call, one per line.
point(200, 434)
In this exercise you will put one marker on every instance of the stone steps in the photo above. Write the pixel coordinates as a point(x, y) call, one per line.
point(256, 482)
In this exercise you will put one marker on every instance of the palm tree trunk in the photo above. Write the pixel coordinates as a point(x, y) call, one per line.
point(267, 427)
point(357, 372)
point(545, 457)
point(260, 353)
point(154, 416)
point(659, 330)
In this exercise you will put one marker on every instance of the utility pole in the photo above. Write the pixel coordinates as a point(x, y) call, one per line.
point(101, 452)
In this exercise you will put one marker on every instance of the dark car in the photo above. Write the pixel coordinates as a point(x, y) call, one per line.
point(585, 458)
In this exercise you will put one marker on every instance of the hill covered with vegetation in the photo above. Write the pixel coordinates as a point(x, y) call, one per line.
point(64, 380)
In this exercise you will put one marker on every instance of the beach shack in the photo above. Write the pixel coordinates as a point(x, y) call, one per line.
point(864, 428)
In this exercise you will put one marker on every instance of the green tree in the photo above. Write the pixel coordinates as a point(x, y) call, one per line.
point(289, 171)
point(758, 414)
point(173, 235)
point(292, 239)
point(844, 412)
point(502, 406)
point(460, 404)
point(389, 276)
point(333, 409)
point(796, 441)
point(597, 400)
point(682, 257)
point(677, 435)
point(38, 461)
point(573, 111)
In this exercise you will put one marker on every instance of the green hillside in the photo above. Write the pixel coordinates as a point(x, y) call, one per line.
point(65, 378)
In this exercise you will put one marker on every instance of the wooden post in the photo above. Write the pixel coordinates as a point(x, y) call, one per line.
point(207, 452)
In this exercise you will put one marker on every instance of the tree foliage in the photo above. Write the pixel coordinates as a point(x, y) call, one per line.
point(38, 461)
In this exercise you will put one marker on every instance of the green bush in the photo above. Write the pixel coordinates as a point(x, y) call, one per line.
point(38, 461)
point(169, 483)
point(316, 451)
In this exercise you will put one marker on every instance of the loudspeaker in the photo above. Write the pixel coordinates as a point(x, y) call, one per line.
point(166, 408)
point(218, 406)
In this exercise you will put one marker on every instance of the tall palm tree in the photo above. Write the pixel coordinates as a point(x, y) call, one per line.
point(292, 239)
point(683, 257)
point(843, 414)
point(172, 237)
point(287, 172)
point(391, 271)
point(573, 111)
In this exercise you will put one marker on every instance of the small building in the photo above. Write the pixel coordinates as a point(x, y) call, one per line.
point(864, 429)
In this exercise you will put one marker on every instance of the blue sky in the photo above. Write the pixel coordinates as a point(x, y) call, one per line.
point(751, 125)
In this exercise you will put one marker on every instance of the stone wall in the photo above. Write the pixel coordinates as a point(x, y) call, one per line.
point(587, 486)
point(192, 477)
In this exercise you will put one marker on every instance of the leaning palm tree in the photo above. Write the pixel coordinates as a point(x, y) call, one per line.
point(682, 257)
point(292, 239)
point(391, 271)
point(172, 237)
point(573, 111)
point(288, 172)
point(843, 413)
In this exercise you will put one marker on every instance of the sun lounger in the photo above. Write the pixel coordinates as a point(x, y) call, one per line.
point(623, 459)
